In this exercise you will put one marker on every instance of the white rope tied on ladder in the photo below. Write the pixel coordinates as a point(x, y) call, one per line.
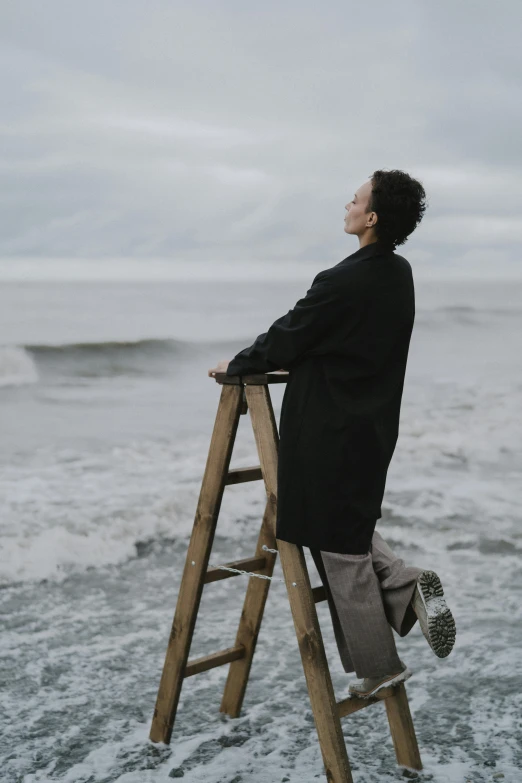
point(249, 573)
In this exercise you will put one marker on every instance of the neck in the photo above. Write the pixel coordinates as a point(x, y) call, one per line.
point(367, 240)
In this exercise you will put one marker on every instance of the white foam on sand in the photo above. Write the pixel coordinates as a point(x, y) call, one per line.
point(67, 511)
point(455, 472)
point(83, 656)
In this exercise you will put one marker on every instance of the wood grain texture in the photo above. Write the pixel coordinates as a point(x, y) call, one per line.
point(315, 664)
point(355, 703)
point(252, 564)
point(267, 439)
point(200, 546)
point(277, 376)
point(207, 662)
point(402, 729)
point(302, 603)
point(241, 475)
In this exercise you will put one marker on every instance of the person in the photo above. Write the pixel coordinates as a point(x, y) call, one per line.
point(345, 347)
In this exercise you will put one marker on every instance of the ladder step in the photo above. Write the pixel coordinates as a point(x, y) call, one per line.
point(319, 594)
point(247, 564)
point(355, 703)
point(240, 475)
point(207, 662)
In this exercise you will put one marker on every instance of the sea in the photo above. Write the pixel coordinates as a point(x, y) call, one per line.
point(106, 415)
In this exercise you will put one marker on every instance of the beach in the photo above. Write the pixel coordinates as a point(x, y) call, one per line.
point(106, 418)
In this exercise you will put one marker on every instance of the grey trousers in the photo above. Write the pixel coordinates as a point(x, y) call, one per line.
point(368, 595)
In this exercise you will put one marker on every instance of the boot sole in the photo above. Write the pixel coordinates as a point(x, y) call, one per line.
point(401, 677)
point(441, 624)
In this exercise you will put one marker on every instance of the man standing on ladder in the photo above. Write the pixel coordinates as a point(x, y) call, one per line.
point(345, 346)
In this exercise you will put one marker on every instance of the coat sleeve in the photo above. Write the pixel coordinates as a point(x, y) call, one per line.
point(289, 338)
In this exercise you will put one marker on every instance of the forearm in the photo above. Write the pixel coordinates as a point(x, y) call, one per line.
point(253, 359)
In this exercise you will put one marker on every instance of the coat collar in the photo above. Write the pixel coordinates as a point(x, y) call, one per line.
point(373, 249)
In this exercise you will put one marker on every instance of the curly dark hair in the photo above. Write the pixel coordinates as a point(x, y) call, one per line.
point(400, 203)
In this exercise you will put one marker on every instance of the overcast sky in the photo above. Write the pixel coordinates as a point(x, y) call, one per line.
point(218, 132)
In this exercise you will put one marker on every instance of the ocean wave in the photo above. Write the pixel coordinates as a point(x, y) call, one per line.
point(470, 309)
point(28, 363)
point(68, 510)
point(17, 366)
point(457, 309)
point(149, 345)
point(110, 347)
point(454, 480)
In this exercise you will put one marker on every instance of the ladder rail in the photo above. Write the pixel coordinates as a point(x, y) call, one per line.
point(193, 578)
point(250, 620)
point(308, 631)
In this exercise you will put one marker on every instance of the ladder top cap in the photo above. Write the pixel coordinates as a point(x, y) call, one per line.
point(259, 379)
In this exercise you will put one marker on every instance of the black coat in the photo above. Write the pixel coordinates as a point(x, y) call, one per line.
point(345, 345)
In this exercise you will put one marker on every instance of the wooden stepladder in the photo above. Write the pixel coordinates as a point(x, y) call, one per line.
point(238, 395)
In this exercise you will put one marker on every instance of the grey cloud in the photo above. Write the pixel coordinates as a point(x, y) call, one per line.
point(230, 131)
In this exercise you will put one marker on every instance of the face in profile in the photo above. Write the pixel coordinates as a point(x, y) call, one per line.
point(357, 219)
